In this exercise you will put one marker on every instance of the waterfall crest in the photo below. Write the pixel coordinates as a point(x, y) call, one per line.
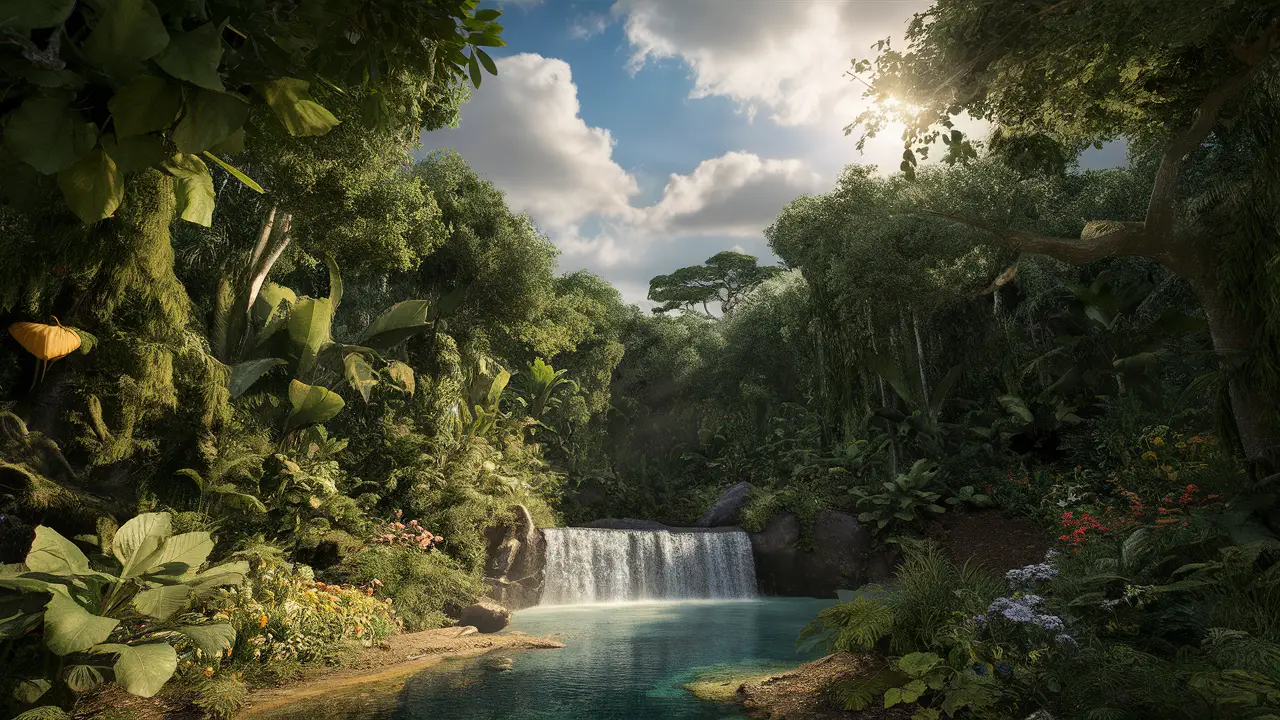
point(591, 565)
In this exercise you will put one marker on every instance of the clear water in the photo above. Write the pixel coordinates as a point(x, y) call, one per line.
point(623, 661)
point(587, 565)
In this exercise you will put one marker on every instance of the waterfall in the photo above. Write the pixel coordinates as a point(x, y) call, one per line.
point(590, 565)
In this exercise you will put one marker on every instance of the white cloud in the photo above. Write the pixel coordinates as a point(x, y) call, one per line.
point(736, 194)
point(785, 58)
point(588, 26)
point(522, 130)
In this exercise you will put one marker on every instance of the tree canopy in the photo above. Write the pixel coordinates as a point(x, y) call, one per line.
point(723, 278)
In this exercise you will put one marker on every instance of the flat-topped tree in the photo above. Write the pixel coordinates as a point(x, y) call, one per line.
point(723, 278)
point(1195, 81)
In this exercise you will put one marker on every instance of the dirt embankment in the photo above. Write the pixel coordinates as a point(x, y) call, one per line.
point(799, 694)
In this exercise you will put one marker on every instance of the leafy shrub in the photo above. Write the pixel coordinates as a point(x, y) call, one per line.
point(899, 503)
point(422, 586)
point(283, 614)
point(220, 697)
point(118, 615)
point(398, 534)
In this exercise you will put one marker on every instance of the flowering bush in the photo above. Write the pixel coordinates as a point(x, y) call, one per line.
point(282, 614)
point(399, 534)
point(1170, 510)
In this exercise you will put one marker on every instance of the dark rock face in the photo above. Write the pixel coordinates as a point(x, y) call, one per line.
point(486, 616)
point(728, 509)
point(633, 524)
point(515, 561)
point(843, 556)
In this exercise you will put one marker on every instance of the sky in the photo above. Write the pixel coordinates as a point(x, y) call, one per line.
point(646, 135)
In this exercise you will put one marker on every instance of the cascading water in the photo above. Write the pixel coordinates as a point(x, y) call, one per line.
point(591, 565)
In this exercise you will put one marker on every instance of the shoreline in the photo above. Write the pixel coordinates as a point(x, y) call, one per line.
point(400, 657)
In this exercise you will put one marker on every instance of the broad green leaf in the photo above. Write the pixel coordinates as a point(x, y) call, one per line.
point(311, 404)
point(24, 15)
point(138, 539)
point(245, 374)
point(142, 669)
point(69, 628)
point(918, 663)
point(232, 573)
point(145, 104)
point(402, 375)
point(401, 322)
point(1014, 405)
point(29, 691)
point(51, 553)
point(231, 495)
point(473, 67)
point(213, 640)
point(487, 15)
point(182, 554)
point(269, 299)
point(486, 61)
point(194, 56)
point(495, 390)
point(93, 187)
point(136, 152)
point(359, 373)
point(83, 678)
point(193, 188)
point(309, 327)
point(129, 32)
point(210, 118)
point(335, 283)
point(294, 108)
point(162, 602)
point(235, 172)
point(47, 134)
point(892, 697)
point(913, 690)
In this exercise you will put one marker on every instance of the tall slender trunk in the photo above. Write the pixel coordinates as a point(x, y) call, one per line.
point(924, 380)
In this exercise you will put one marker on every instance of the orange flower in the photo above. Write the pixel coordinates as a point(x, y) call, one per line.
point(262, 621)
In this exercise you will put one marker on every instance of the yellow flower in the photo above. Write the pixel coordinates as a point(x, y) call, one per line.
point(1158, 441)
point(1149, 456)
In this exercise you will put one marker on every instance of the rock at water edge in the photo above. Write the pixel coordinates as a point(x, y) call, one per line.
point(727, 510)
point(514, 561)
point(486, 616)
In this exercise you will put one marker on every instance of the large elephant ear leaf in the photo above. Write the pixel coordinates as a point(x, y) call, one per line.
point(69, 628)
point(245, 374)
point(401, 322)
point(182, 555)
point(309, 329)
point(162, 602)
point(212, 640)
point(142, 669)
point(53, 554)
point(311, 404)
point(137, 540)
point(360, 374)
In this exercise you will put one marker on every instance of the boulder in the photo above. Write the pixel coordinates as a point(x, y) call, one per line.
point(727, 510)
point(485, 616)
point(842, 555)
point(515, 559)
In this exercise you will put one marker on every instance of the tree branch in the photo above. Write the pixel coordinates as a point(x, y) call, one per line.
point(1099, 240)
point(1159, 218)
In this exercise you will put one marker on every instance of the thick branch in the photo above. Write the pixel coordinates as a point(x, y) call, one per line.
point(1159, 219)
point(1119, 240)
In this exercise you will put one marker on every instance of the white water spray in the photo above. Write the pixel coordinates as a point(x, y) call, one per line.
point(592, 565)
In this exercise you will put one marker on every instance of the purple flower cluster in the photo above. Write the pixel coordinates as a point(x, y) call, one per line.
point(1022, 608)
point(1027, 577)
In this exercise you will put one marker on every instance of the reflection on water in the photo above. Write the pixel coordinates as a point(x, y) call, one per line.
point(620, 662)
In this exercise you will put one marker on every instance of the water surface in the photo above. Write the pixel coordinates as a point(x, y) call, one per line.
point(623, 661)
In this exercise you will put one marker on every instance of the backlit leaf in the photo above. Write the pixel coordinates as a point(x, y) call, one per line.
point(93, 187)
point(235, 172)
point(311, 404)
point(401, 322)
point(292, 104)
point(309, 329)
point(138, 539)
point(402, 375)
point(359, 374)
point(193, 188)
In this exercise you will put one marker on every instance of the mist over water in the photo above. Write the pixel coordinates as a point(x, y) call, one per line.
point(592, 565)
